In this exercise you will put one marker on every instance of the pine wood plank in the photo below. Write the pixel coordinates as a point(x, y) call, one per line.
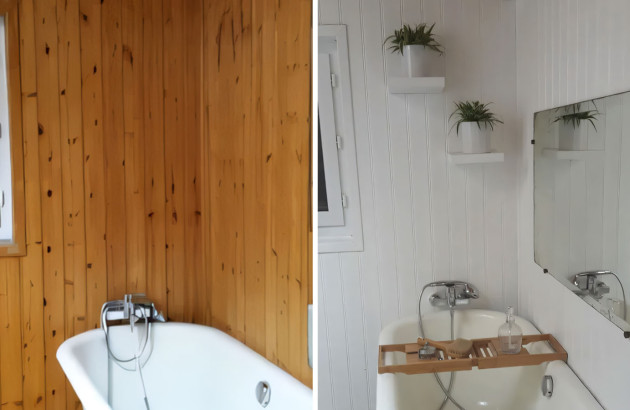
point(174, 155)
point(194, 277)
point(154, 149)
point(256, 148)
point(33, 369)
point(94, 166)
point(269, 110)
point(225, 102)
point(10, 335)
point(51, 195)
point(114, 147)
point(133, 106)
point(206, 183)
point(70, 120)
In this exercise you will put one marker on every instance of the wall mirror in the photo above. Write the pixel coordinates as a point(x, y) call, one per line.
point(582, 201)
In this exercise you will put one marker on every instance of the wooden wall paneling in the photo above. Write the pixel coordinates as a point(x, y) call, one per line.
point(72, 164)
point(194, 275)
point(51, 195)
point(133, 116)
point(225, 135)
point(269, 123)
point(174, 154)
point(206, 188)
point(154, 185)
point(93, 157)
point(71, 135)
point(114, 148)
point(255, 194)
point(107, 86)
point(302, 287)
point(289, 222)
point(10, 335)
point(33, 370)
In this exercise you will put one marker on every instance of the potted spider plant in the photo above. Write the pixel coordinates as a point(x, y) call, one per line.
point(415, 45)
point(476, 122)
point(572, 131)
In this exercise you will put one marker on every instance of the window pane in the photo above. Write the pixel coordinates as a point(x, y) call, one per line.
point(322, 197)
point(6, 200)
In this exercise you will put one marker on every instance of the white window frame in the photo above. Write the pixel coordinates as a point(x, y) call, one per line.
point(326, 121)
point(6, 197)
point(338, 232)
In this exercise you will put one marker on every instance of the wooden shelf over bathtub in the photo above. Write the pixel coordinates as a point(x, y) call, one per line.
point(486, 354)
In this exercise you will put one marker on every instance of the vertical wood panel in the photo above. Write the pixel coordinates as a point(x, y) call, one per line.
point(154, 150)
point(174, 69)
point(10, 335)
point(133, 115)
point(94, 160)
point(193, 274)
point(114, 147)
point(68, 39)
point(225, 59)
point(51, 194)
point(269, 101)
point(33, 369)
point(255, 176)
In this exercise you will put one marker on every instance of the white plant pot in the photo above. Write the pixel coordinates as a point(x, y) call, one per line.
point(475, 138)
point(572, 138)
point(417, 60)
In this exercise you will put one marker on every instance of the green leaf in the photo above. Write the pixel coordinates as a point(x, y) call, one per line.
point(473, 111)
point(421, 35)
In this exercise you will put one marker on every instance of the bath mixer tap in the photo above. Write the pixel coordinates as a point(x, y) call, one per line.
point(587, 281)
point(588, 284)
point(133, 307)
point(455, 293)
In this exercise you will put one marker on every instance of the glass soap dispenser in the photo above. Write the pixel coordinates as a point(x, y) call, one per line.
point(510, 334)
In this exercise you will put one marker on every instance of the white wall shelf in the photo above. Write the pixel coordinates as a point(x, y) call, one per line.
point(467, 159)
point(571, 155)
point(416, 85)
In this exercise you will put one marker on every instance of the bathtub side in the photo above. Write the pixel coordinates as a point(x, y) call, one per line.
point(568, 391)
point(83, 359)
point(198, 367)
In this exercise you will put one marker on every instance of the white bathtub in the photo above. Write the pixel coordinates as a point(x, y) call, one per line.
point(189, 367)
point(512, 388)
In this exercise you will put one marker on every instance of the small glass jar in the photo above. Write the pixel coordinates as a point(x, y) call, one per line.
point(510, 334)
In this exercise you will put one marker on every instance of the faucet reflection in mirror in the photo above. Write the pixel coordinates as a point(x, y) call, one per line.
point(581, 190)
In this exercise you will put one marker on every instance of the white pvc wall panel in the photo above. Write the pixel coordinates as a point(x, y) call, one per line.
point(424, 218)
point(570, 51)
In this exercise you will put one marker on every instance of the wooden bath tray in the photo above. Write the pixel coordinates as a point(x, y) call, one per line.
point(486, 354)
